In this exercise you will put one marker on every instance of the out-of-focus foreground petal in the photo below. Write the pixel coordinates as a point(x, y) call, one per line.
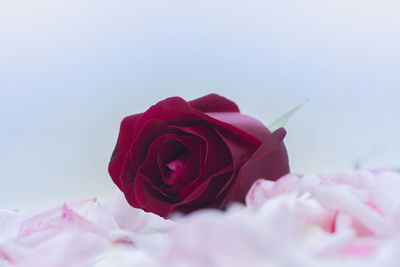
point(339, 220)
point(79, 233)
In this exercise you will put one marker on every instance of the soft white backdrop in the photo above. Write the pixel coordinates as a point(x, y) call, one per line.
point(71, 70)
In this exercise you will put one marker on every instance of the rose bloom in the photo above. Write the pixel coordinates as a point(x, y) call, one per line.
point(183, 156)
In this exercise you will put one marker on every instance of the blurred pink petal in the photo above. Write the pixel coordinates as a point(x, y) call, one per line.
point(133, 219)
point(347, 219)
point(73, 233)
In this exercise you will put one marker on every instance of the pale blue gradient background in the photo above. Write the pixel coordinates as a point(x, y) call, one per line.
point(71, 70)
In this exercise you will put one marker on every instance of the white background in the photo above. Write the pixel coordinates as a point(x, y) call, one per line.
point(71, 70)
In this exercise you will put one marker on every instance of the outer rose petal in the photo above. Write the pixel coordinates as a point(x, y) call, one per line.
point(214, 103)
point(245, 123)
point(164, 110)
point(240, 151)
point(270, 161)
point(125, 138)
point(151, 199)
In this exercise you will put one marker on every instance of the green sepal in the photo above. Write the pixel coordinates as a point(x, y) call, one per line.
point(281, 121)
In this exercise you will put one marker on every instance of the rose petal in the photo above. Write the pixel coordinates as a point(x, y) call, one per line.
point(164, 152)
point(155, 168)
point(132, 219)
point(214, 103)
point(152, 130)
point(67, 249)
point(9, 224)
point(270, 162)
point(241, 151)
point(128, 177)
point(246, 123)
point(35, 229)
point(167, 109)
point(183, 170)
point(150, 198)
point(205, 194)
point(125, 138)
point(189, 167)
point(216, 154)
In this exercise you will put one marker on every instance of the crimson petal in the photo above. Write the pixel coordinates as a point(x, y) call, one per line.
point(214, 103)
point(270, 162)
point(167, 109)
point(246, 123)
point(241, 152)
point(127, 182)
point(124, 141)
point(149, 168)
point(205, 193)
point(150, 199)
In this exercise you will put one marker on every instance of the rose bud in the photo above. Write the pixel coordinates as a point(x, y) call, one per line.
point(184, 156)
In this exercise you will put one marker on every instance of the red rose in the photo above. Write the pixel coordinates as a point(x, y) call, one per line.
point(183, 156)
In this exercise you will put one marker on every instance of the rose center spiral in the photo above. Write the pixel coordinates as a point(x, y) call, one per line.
point(176, 169)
